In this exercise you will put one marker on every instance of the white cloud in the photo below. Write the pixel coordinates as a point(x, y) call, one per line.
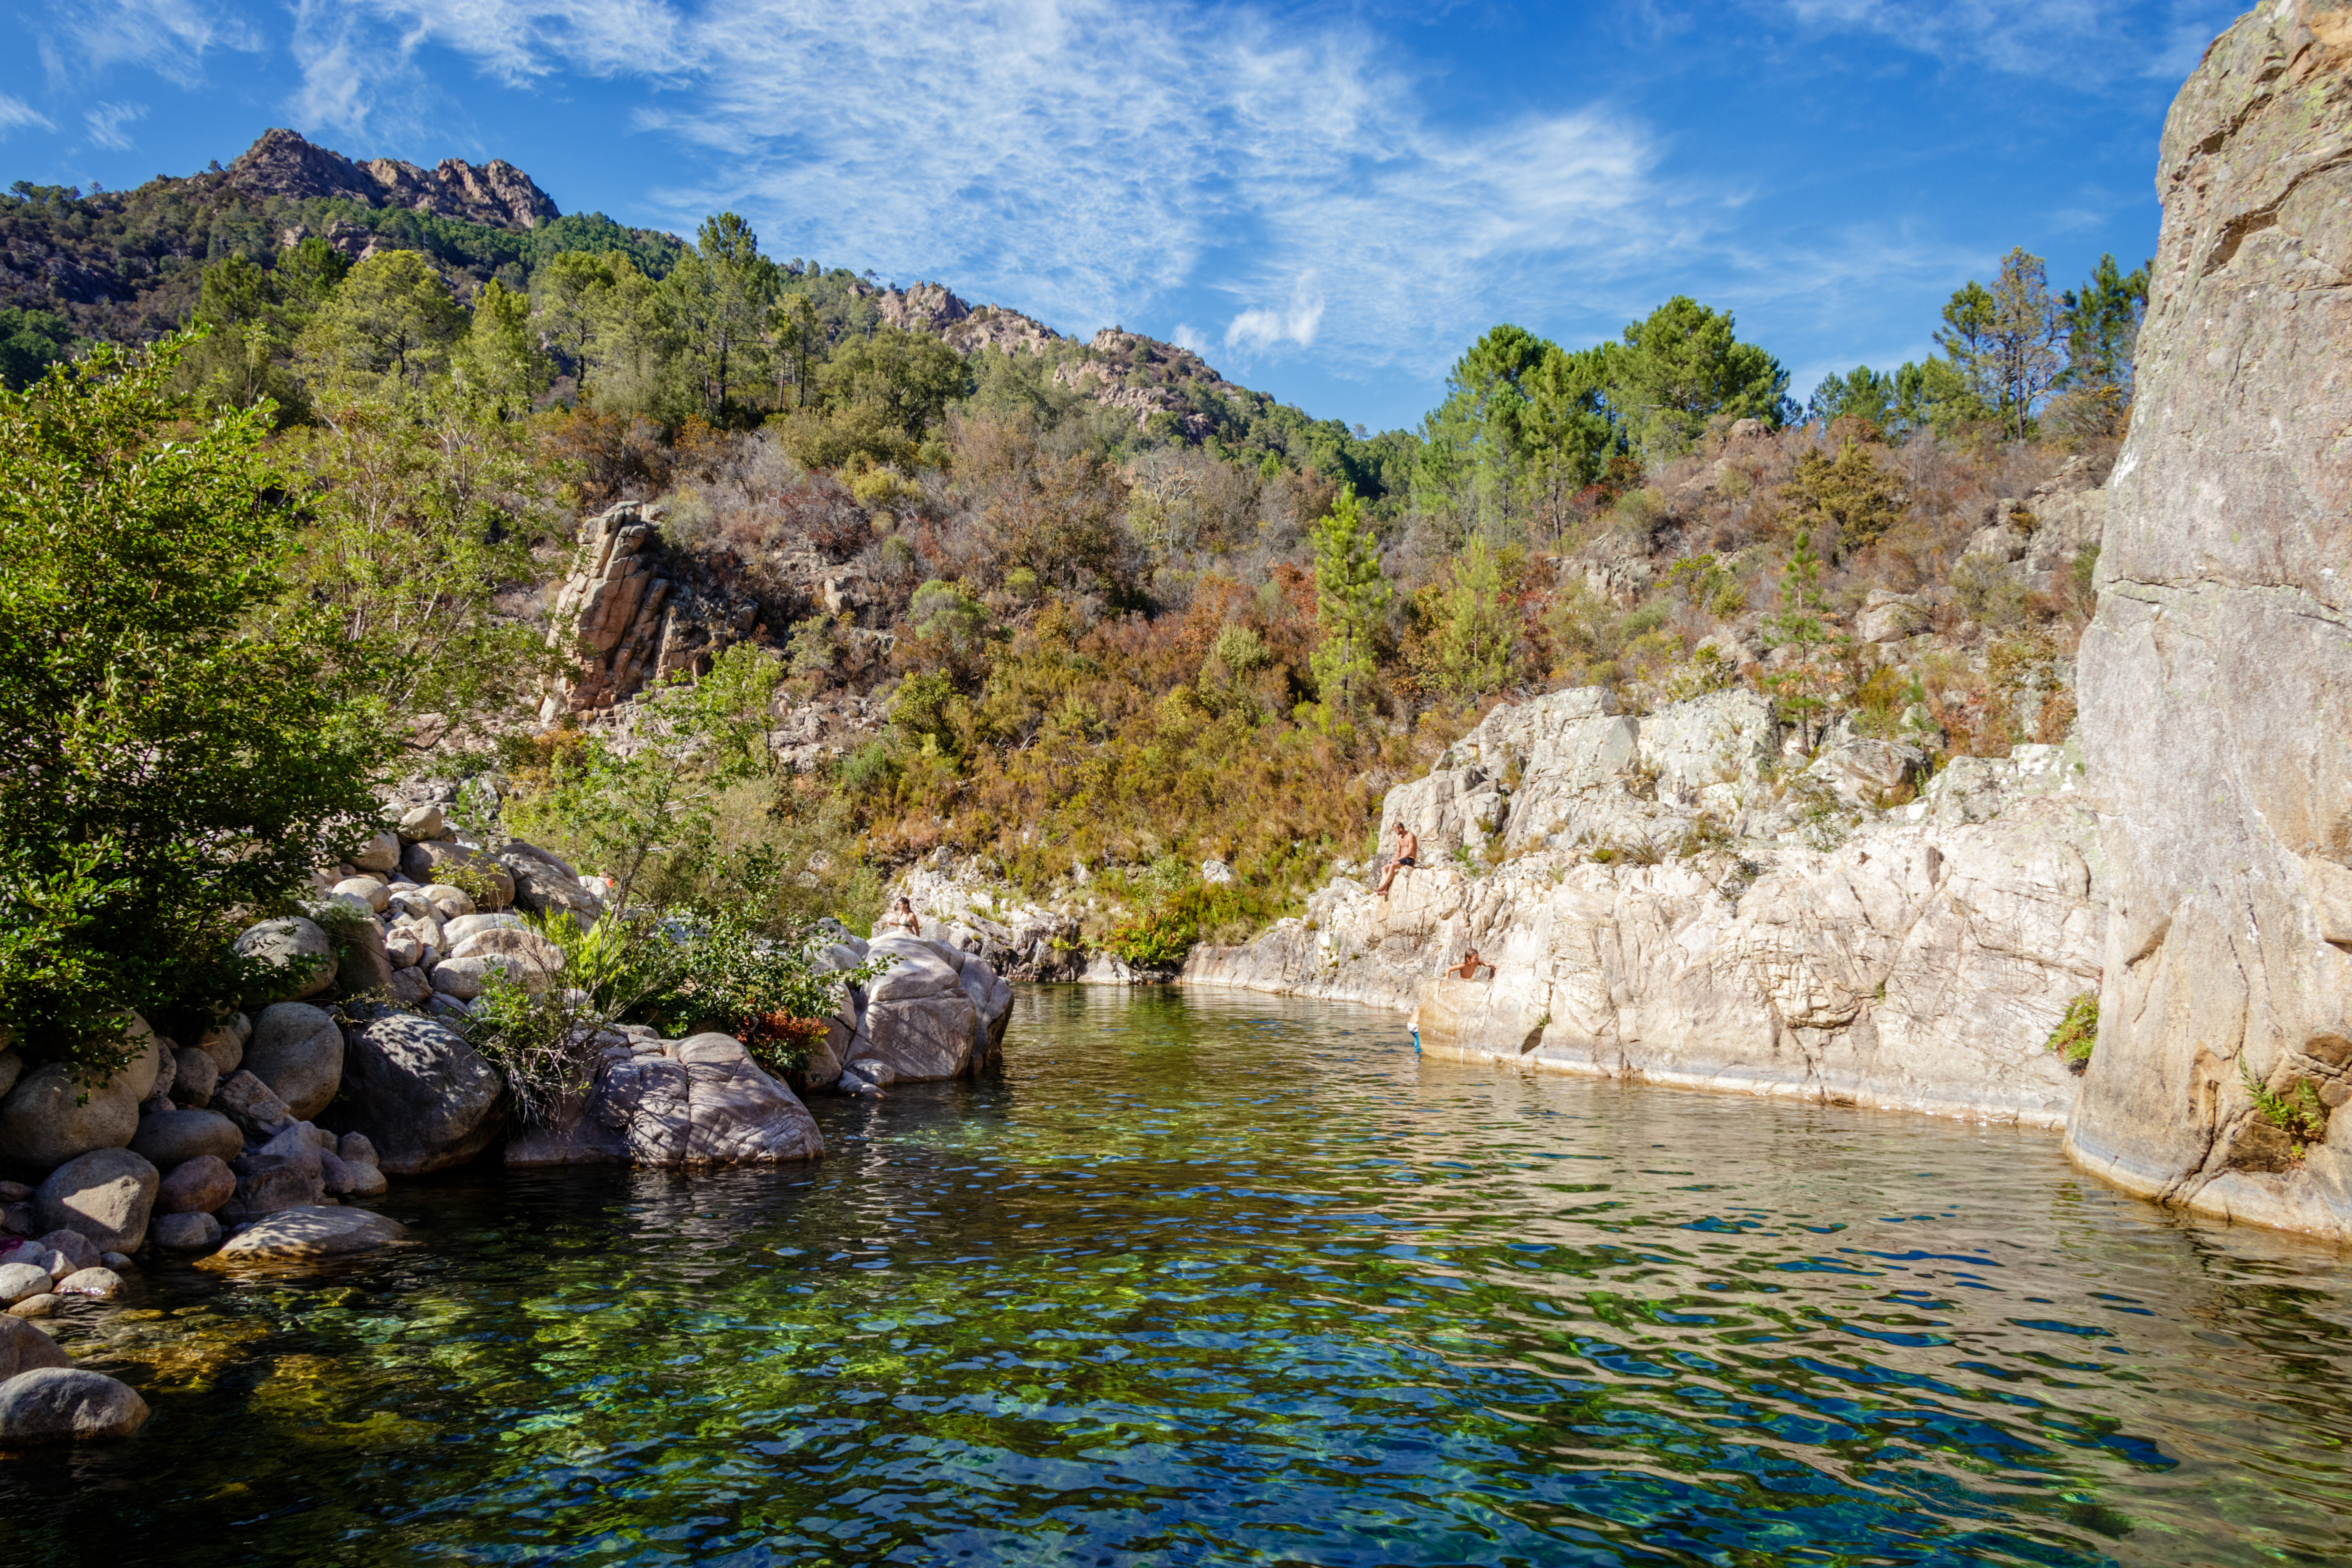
point(16, 115)
point(1262, 328)
point(106, 122)
point(2087, 42)
point(1083, 158)
point(170, 37)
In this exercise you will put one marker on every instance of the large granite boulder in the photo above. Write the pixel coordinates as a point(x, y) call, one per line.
point(106, 1195)
point(299, 958)
point(169, 1139)
point(298, 1051)
point(2216, 682)
point(425, 1099)
point(24, 1348)
point(54, 1114)
point(423, 861)
point(67, 1405)
point(696, 1101)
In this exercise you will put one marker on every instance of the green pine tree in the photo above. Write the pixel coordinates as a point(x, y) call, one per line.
point(1349, 595)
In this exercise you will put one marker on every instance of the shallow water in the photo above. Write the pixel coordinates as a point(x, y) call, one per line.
point(1210, 1279)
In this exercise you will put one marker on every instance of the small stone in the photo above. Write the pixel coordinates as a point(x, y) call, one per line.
point(355, 1150)
point(225, 1043)
point(68, 1405)
point(409, 987)
point(200, 1186)
point(20, 1219)
point(24, 1348)
point(404, 946)
point(39, 1306)
point(448, 902)
point(187, 1233)
point(104, 1284)
point(19, 1282)
point(422, 822)
point(194, 1076)
point(381, 853)
point(79, 1250)
point(373, 895)
point(334, 1175)
point(13, 1192)
point(118, 1262)
point(285, 944)
point(251, 1104)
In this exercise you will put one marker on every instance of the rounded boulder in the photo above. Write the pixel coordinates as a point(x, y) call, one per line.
point(194, 1076)
point(200, 1186)
point(68, 1405)
point(381, 853)
point(106, 1194)
point(225, 1043)
point(187, 1233)
point(24, 1348)
point(298, 1051)
point(50, 1117)
point(302, 956)
point(173, 1138)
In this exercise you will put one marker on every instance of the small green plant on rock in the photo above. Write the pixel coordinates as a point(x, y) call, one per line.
point(2078, 1031)
point(2299, 1112)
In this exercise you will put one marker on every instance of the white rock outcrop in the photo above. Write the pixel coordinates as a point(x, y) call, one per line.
point(1653, 897)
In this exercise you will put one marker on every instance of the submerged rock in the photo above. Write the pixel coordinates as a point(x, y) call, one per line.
point(294, 1234)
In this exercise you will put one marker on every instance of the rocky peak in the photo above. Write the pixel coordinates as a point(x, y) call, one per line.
point(284, 163)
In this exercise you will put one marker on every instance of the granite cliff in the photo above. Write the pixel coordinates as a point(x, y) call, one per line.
point(2217, 676)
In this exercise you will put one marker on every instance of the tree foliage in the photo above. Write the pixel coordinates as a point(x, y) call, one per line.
point(172, 752)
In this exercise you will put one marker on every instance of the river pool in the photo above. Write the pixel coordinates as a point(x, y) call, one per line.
point(1213, 1279)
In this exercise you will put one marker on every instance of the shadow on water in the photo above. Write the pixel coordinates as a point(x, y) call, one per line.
point(1205, 1279)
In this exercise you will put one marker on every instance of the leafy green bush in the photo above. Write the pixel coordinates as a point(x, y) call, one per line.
point(171, 757)
point(1158, 938)
point(2078, 1031)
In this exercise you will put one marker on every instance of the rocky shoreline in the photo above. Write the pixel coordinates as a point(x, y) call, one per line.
point(261, 1142)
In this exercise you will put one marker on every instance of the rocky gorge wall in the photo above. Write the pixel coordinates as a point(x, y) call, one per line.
point(2216, 679)
point(1677, 899)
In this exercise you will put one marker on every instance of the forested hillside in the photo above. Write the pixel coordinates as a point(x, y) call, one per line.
point(905, 573)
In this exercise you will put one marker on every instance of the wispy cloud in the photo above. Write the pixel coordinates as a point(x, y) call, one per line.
point(170, 37)
point(2087, 42)
point(106, 122)
point(1084, 157)
point(16, 115)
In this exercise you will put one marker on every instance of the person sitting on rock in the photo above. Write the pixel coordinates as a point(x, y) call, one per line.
point(1408, 845)
point(902, 917)
point(1469, 967)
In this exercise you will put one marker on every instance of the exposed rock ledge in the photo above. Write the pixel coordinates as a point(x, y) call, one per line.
point(1919, 963)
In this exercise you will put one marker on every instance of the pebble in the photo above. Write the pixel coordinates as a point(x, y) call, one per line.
point(39, 1306)
point(19, 1282)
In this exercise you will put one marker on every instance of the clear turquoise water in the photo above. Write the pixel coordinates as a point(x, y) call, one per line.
point(1205, 1279)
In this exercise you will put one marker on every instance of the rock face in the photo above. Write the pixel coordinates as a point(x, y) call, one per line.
point(962, 906)
point(697, 1102)
point(2216, 682)
point(422, 1097)
point(284, 163)
point(627, 619)
point(1648, 905)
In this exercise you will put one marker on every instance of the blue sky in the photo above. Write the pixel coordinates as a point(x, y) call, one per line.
point(1329, 201)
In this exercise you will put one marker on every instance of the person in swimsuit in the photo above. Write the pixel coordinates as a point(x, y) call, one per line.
point(902, 917)
point(1408, 845)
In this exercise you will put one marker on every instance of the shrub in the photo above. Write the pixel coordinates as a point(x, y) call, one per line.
point(1988, 590)
point(2078, 1031)
point(2299, 1112)
point(171, 757)
point(1157, 940)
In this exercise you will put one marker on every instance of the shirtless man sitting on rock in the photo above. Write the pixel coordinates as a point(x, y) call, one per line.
point(1408, 845)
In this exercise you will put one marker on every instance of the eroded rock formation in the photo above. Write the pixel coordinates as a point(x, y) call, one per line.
point(282, 162)
point(631, 619)
point(2217, 678)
